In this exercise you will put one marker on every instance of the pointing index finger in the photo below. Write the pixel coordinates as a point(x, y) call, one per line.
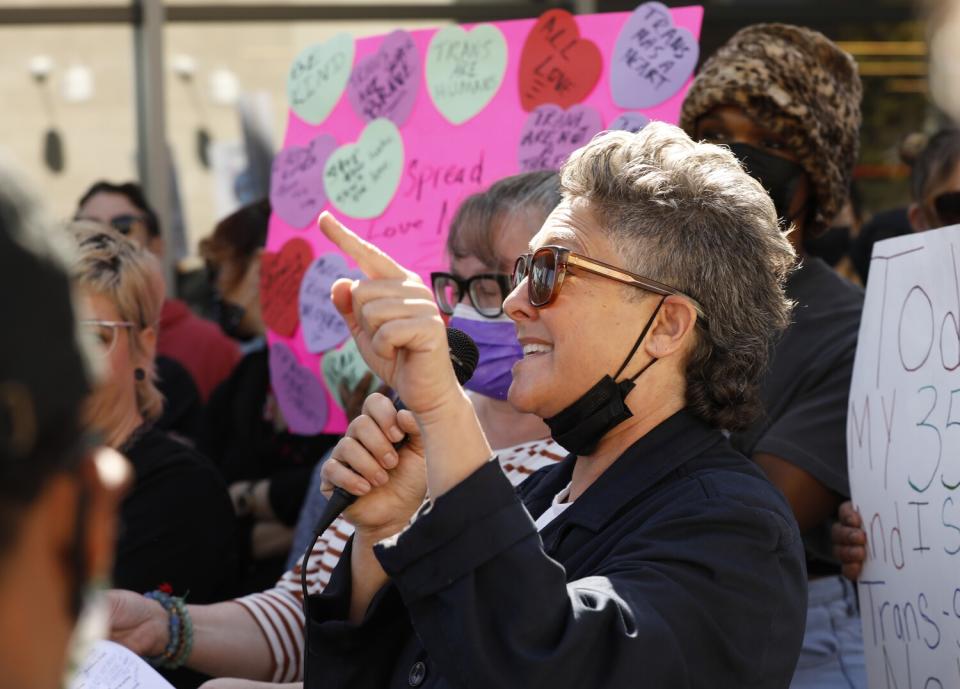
point(371, 260)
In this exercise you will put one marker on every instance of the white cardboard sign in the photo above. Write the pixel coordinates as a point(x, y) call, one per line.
point(903, 440)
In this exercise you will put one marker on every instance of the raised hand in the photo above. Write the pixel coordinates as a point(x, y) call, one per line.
point(395, 323)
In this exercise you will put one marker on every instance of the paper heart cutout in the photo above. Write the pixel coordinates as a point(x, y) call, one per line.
point(300, 394)
point(321, 324)
point(318, 76)
point(465, 69)
point(280, 277)
point(557, 65)
point(345, 365)
point(652, 58)
point(386, 83)
point(551, 134)
point(361, 178)
point(296, 181)
point(629, 122)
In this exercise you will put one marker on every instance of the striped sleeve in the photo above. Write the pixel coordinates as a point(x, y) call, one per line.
point(279, 611)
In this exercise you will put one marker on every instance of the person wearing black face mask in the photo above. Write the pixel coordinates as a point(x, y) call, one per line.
point(786, 100)
point(59, 494)
point(646, 307)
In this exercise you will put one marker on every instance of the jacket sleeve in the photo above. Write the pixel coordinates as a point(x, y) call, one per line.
point(493, 609)
point(342, 655)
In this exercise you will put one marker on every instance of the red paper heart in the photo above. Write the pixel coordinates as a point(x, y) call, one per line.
point(557, 66)
point(280, 277)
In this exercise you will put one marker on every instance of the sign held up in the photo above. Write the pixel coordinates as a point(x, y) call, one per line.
point(903, 440)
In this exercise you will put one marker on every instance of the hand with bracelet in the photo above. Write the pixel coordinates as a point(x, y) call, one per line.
point(143, 625)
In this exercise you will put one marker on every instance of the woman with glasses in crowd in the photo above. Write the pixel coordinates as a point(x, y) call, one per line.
point(177, 522)
point(262, 638)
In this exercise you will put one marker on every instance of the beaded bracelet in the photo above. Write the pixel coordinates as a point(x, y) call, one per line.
point(181, 632)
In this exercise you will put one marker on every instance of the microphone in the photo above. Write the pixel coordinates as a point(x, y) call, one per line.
point(464, 357)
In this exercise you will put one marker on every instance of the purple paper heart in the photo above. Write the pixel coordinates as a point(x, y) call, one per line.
point(386, 83)
point(300, 394)
point(631, 122)
point(322, 326)
point(652, 58)
point(551, 134)
point(297, 193)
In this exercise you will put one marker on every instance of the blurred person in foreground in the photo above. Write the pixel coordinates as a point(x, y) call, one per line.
point(196, 344)
point(786, 101)
point(264, 639)
point(646, 307)
point(58, 494)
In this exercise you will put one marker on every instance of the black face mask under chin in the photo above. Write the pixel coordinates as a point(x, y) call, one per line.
point(580, 427)
point(780, 177)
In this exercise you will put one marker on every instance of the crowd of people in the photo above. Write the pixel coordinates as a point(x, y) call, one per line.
point(666, 331)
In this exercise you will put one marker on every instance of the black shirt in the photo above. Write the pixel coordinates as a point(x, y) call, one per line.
point(246, 446)
point(807, 388)
point(176, 524)
point(681, 566)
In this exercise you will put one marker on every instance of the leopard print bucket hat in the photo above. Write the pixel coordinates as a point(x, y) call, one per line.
point(800, 85)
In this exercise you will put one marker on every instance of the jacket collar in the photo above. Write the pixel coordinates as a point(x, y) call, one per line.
point(671, 444)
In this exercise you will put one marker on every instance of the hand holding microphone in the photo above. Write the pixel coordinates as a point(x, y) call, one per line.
point(387, 478)
point(401, 335)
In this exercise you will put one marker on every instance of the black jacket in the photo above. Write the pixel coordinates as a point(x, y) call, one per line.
point(681, 566)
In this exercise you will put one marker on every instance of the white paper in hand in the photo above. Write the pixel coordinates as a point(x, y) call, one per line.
point(111, 666)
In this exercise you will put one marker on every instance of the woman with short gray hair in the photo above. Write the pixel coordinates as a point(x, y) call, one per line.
point(654, 554)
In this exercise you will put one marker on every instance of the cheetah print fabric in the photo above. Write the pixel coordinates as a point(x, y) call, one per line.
point(799, 85)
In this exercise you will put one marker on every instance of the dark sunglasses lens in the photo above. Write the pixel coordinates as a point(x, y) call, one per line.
point(487, 296)
point(446, 292)
point(519, 271)
point(123, 223)
point(543, 273)
point(948, 208)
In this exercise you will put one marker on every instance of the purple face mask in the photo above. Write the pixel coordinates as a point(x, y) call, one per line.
point(496, 339)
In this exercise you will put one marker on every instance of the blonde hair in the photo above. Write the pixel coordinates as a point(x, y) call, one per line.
point(687, 214)
point(131, 278)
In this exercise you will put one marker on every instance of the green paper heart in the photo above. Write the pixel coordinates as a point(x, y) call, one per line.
point(362, 178)
point(345, 365)
point(318, 76)
point(465, 69)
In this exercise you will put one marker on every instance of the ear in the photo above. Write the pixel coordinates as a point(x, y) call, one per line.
point(148, 345)
point(251, 279)
point(673, 328)
point(156, 246)
point(916, 216)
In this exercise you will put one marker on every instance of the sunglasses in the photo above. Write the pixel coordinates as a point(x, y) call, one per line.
point(947, 207)
point(486, 291)
point(545, 268)
point(123, 224)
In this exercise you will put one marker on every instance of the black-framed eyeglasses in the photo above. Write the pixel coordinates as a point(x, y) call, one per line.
point(486, 291)
point(947, 207)
point(545, 268)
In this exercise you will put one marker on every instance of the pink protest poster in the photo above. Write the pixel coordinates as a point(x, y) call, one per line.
point(392, 132)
